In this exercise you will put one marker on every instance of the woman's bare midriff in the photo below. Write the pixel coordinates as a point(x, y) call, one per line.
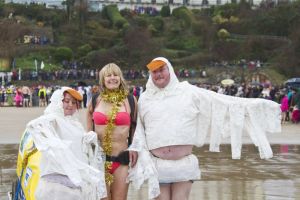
point(173, 152)
point(119, 138)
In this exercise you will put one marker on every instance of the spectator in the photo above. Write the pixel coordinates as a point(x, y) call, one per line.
point(42, 96)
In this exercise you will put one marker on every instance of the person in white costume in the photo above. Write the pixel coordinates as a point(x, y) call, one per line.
point(70, 168)
point(174, 116)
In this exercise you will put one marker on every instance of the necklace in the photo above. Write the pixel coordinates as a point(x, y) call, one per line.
point(114, 97)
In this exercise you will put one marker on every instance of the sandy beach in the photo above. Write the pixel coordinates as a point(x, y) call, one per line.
point(13, 121)
point(222, 177)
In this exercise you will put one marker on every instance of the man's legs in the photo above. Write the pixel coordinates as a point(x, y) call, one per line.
point(175, 191)
point(181, 190)
point(44, 102)
point(165, 192)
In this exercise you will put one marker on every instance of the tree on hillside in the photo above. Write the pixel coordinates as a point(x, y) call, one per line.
point(82, 12)
point(97, 59)
point(140, 48)
point(63, 54)
point(288, 62)
point(112, 13)
point(70, 7)
point(226, 50)
point(10, 33)
point(165, 11)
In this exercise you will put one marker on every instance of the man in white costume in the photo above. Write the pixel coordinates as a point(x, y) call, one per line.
point(174, 116)
point(69, 167)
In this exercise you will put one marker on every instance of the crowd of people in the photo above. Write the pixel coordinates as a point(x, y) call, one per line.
point(39, 95)
point(136, 134)
point(73, 73)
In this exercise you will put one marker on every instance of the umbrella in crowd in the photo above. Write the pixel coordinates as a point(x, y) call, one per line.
point(227, 82)
point(293, 82)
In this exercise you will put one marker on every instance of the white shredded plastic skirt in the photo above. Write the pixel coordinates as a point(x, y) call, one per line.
point(50, 190)
point(171, 171)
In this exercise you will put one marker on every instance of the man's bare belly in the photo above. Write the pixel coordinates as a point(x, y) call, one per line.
point(174, 152)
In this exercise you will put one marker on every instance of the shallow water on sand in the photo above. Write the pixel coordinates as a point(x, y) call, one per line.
point(222, 177)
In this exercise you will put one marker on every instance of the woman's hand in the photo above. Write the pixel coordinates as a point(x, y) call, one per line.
point(133, 156)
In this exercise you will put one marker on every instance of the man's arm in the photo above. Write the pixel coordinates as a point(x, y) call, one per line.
point(133, 155)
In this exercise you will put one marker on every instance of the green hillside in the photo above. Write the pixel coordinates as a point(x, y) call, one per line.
point(195, 39)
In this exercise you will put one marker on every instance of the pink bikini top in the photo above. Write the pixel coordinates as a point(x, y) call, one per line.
point(122, 118)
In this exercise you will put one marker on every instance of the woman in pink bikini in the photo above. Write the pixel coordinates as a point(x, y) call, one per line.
point(110, 117)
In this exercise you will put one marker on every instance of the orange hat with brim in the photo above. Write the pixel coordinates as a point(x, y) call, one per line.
point(74, 94)
point(155, 64)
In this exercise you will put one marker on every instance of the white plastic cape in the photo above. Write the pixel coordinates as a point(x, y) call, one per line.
point(183, 114)
point(67, 149)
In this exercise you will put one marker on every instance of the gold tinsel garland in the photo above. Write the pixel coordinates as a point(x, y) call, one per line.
point(115, 97)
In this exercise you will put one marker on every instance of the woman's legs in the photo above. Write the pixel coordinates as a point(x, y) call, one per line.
point(119, 188)
point(175, 191)
point(283, 116)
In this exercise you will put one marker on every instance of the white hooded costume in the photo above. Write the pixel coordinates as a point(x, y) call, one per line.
point(183, 114)
point(69, 166)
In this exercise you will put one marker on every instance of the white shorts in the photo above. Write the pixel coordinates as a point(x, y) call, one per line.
point(171, 171)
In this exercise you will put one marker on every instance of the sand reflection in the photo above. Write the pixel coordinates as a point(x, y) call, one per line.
point(222, 178)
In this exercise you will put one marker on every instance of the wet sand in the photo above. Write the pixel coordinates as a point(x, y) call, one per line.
point(222, 178)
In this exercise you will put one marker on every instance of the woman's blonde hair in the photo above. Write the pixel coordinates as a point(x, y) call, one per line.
point(112, 68)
